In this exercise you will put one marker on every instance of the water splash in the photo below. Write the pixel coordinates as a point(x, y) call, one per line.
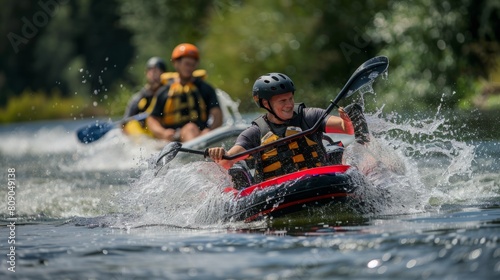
point(417, 164)
point(115, 151)
point(19, 142)
point(186, 196)
point(385, 178)
point(413, 164)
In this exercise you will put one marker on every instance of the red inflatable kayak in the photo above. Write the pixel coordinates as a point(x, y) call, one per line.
point(291, 193)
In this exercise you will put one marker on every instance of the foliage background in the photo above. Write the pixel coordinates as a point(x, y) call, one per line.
point(78, 59)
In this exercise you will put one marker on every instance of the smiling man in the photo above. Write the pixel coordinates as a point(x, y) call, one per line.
point(274, 92)
point(188, 107)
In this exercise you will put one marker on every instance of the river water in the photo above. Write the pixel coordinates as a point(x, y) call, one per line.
point(98, 211)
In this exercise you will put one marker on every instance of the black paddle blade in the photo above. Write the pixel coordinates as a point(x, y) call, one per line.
point(168, 153)
point(93, 132)
point(366, 73)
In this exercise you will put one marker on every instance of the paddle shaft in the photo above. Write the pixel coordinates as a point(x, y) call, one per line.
point(311, 130)
point(94, 132)
point(263, 147)
point(365, 74)
point(194, 151)
point(138, 117)
point(274, 143)
point(285, 139)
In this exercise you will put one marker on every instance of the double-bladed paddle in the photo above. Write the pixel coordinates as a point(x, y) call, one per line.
point(363, 76)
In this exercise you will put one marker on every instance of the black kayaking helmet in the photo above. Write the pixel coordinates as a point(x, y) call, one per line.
point(156, 62)
point(269, 85)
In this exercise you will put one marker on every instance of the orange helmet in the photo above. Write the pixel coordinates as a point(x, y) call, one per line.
point(185, 49)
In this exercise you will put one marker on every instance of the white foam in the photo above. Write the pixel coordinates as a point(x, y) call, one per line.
point(20, 142)
point(186, 196)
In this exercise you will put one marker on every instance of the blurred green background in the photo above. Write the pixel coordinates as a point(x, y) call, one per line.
point(85, 58)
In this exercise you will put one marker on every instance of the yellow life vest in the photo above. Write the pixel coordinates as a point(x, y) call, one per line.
point(184, 104)
point(169, 77)
point(146, 105)
point(302, 153)
point(135, 127)
point(287, 158)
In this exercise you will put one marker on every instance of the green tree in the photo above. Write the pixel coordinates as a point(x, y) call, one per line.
point(19, 38)
point(435, 49)
point(96, 50)
point(159, 25)
point(71, 47)
point(300, 38)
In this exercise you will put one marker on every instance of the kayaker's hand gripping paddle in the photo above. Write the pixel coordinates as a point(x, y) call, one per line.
point(363, 76)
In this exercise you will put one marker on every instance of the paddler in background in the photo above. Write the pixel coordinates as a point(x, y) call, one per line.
point(187, 107)
point(145, 99)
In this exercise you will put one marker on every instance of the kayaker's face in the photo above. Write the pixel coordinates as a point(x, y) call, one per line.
point(185, 66)
point(282, 105)
point(153, 76)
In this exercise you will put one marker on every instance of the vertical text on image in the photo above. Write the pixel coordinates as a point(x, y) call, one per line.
point(11, 208)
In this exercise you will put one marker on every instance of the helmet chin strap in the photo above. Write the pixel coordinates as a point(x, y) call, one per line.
point(271, 110)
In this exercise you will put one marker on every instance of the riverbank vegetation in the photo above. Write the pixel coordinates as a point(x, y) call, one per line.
point(79, 59)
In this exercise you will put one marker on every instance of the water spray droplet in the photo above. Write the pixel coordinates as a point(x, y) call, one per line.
point(385, 75)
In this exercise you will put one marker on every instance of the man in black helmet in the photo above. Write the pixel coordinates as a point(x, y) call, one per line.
point(145, 99)
point(275, 93)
